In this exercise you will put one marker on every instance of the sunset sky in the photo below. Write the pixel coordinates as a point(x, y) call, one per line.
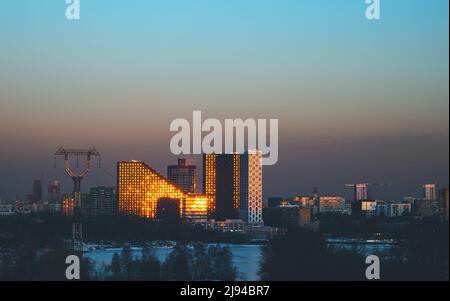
point(356, 100)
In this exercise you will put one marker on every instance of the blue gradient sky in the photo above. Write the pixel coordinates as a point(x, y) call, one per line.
point(357, 100)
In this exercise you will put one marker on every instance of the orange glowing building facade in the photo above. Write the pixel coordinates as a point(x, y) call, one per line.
point(140, 188)
point(221, 181)
point(235, 183)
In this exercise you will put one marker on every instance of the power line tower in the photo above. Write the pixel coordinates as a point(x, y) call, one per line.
point(77, 229)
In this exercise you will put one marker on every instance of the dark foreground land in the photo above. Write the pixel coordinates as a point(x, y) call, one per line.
point(34, 247)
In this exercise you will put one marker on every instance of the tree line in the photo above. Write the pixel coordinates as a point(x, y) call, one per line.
point(199, 262)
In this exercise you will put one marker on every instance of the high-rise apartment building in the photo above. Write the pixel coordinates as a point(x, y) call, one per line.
point(235, 182)
point(429, 192)
point(361, 191)
point(221, 180)
point(184, 176)
point(250, 205)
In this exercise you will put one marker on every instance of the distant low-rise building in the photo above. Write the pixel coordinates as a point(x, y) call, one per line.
point(37, 207)
point(393, 209)
point(308, 201)
point(230, 225)
point(54, 193)
point(287, 216)
point(443, 204)
point(382, 209)
point(259, 232)
point(333, 204)
point(23, 207)
point(368, 208)
point(305, 216)
point(426, 208)
point(290, 215)
point(67, 205)
point(6, 210)
point(102, 201)
point(399, 209)
point(54, 207)
point(255, 232)
point(364, 208)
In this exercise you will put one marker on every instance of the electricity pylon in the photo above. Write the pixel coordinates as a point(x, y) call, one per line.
point(77, 229)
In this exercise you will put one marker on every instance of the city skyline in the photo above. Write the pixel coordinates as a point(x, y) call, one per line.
point(232, 191)
point(350, 192)
point(357, 101)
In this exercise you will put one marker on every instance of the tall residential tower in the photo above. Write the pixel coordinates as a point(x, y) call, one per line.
point(182, 175)
point(221, 180)
point(429, 192)
point(234, 181)
point(250, 206)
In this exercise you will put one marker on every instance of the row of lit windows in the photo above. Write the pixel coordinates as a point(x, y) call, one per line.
point(140, 188)
point(237, 180)
point(210, 180)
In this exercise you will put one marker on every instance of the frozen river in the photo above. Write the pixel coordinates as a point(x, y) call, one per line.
point(246, 258)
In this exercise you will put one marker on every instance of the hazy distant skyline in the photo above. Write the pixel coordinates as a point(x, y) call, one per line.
point(356, 100)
